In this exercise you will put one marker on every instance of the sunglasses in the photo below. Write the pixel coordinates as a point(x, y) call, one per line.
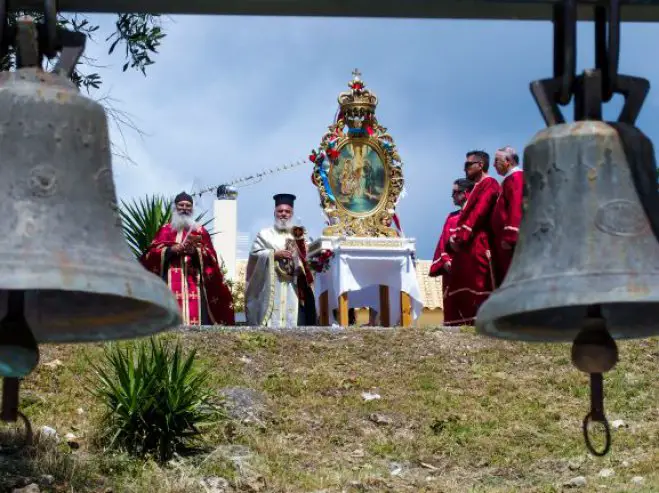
point(469, 163)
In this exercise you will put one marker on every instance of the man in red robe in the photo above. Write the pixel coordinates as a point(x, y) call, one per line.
point(472, 279)
point(183, 255)
point(507, 214)
point(441, 262)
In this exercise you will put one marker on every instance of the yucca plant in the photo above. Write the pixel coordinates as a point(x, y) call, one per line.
point(141, 219)
point(154, 398)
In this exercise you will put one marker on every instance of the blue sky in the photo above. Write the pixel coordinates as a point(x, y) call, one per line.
point(229, 96)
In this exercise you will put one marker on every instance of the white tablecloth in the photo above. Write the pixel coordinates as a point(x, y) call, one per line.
point(360, 272)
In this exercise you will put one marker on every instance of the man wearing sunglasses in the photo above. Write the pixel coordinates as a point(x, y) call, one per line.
point(473, 274)
point(441, 264)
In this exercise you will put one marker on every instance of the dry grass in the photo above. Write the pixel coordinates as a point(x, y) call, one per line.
point(457, 413)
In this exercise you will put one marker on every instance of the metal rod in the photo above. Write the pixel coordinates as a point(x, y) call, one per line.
point(10, 387)
point(633, 11)
point(596, 415)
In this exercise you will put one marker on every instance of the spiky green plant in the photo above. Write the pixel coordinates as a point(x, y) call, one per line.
point(154, 398)
point(141, 219)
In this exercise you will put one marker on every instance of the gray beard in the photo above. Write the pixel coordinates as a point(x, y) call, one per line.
point(180, 221)
point(282, 225)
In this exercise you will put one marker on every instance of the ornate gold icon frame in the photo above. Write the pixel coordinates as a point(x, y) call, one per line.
point(346, 179)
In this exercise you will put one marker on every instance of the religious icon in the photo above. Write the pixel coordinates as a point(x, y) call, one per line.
point(357, 177)
point(357, 169)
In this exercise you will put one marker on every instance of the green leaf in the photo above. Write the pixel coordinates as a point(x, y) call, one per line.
point(154, 397)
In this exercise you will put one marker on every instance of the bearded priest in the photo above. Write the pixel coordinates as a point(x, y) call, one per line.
point(183, 255)
point(278, 290)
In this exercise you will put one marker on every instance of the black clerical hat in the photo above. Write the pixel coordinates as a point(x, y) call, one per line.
point(284, 198)
point(181, 197)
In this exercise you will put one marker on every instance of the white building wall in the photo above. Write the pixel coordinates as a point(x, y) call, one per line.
point(225, 226)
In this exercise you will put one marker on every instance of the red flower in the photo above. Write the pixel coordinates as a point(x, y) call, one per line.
point(332, 154)
point(357, 85)
point(326, 254)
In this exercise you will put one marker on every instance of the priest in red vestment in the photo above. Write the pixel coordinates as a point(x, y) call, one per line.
point(183, 255)
point(472, 279)
point(507, 214)
point(441, 262)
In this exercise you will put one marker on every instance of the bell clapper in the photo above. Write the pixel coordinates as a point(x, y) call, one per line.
point(595, 352)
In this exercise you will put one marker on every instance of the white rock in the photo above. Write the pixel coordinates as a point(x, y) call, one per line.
point(606, 473)
point(625, 463)
point(358, 453)
point(618, 423)
point(48, 432)
point(72, 440)
point(215, 484)
point(53, 364)
point(80, 411)
point(370, 396)
point(577, 482)
point(30, 488)
point(47, 480)
point(638, 480)
point(245, 359)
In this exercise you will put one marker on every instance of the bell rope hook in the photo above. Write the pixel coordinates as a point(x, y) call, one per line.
point(586, 266)
point(595, 352)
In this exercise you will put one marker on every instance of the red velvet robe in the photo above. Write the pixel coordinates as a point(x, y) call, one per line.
point(196, 280)
point(441, 264)
point(506, 218)
point(472, 279)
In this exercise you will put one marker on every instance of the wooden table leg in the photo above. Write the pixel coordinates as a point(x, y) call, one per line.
point(343, 310)
point(405, 309)
point(324, 309)
point(385, 312)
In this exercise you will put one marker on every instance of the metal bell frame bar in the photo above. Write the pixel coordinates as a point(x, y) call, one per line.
point(591, 89)
point(633, 11)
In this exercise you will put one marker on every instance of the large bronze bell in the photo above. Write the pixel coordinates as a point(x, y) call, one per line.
point(585, 243)
point(66, 272)
point(586, 265)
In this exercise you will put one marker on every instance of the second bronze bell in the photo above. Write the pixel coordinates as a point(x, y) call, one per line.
point(585, 240)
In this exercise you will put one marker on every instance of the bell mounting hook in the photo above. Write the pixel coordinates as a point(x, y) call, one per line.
point(557, 91)
point(42, 40)
point(597, 86)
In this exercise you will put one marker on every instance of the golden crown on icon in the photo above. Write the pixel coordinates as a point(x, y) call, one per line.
point(358, 101)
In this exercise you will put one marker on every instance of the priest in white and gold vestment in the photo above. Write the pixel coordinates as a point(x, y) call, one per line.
point(278, 291)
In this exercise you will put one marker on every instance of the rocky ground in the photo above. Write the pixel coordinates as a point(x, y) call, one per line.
point(362, 410)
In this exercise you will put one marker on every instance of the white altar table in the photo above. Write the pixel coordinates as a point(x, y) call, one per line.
point(368, 272)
